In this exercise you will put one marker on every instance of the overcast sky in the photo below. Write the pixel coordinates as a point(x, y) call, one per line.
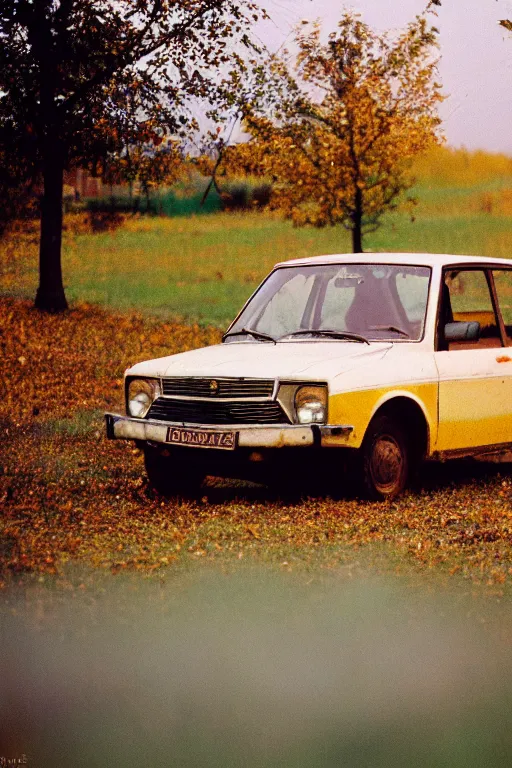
point(476, 57)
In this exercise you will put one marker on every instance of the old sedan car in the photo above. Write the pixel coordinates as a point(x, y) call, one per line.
point(375, 361)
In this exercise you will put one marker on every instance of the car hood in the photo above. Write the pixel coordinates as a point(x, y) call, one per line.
point(308, 360)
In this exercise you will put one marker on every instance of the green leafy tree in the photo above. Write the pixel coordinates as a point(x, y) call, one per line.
point(82, 80)
point(350, 118)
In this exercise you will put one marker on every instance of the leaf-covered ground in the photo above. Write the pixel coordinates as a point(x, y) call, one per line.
point(69, 498)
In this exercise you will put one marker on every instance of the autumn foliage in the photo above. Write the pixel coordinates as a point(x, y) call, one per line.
point(346, 124)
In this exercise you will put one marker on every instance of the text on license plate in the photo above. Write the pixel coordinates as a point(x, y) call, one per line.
point(201, 438)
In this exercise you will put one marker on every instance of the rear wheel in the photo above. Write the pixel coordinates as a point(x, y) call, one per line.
point(385, 459)
point(170, 475)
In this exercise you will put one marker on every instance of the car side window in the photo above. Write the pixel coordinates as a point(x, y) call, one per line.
point(503, 283)
point(467, 298)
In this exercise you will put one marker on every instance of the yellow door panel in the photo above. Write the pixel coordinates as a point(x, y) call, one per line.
point(475, 399)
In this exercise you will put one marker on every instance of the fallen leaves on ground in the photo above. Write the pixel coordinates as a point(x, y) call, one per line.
point(68, 495)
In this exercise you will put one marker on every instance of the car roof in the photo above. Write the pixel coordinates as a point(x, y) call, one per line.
point(409, 259)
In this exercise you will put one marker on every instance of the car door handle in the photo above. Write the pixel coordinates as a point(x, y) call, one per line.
point(504, 359)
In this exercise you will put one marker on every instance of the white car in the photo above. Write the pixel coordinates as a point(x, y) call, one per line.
point(383, 360)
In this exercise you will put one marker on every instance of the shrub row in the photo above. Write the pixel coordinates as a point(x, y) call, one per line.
point(236, 195)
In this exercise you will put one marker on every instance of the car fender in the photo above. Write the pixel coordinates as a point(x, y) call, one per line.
point(357, 408)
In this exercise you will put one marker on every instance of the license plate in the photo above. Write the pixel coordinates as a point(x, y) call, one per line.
point(201, 438)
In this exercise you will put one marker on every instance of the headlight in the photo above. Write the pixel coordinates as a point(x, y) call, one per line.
point(141, 394)
point(311, 405)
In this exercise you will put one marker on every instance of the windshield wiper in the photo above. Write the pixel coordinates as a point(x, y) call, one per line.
point(393, 328)
point(330, 334)
point(250, 331)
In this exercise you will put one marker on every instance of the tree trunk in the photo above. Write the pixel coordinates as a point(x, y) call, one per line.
point(357, 223)
point(357, 238)
point(50, 295)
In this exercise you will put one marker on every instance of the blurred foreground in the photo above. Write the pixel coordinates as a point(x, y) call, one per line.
point(255, 670)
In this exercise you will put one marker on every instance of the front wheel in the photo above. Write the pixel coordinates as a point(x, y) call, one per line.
point(384, 459)
point(171, 476)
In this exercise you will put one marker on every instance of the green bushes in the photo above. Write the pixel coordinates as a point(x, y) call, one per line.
point(159, 203)
point(242, 194)
point(245, 194)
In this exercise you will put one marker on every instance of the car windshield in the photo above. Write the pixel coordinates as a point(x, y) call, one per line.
point(352, 302)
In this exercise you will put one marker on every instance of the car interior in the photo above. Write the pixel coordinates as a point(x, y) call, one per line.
point(467, 297)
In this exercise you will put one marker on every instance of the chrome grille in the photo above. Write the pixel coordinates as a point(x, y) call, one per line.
point(205, 412)
point(192, 386)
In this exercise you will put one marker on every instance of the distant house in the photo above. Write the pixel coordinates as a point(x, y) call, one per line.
point(83, 184)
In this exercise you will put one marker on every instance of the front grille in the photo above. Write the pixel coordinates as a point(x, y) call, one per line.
point(191, 386)
point(204, 412)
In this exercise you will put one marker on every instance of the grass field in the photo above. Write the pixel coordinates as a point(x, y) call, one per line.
point(242, 626)
point(203, 268)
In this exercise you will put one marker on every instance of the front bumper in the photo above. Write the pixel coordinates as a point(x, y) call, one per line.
point(253, 436)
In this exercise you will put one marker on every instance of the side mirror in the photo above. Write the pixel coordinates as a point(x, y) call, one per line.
point(462, 331)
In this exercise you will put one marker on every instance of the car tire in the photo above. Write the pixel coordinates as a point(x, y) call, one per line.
point(169, 475)
point(385, 459)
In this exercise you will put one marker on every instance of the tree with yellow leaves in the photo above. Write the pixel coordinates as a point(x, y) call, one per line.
point(340, 138)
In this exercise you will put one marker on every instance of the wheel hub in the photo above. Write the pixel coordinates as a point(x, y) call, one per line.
point(386, 461)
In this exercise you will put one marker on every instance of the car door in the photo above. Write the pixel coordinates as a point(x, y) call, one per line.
point(475, 377)
point(502, 279)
